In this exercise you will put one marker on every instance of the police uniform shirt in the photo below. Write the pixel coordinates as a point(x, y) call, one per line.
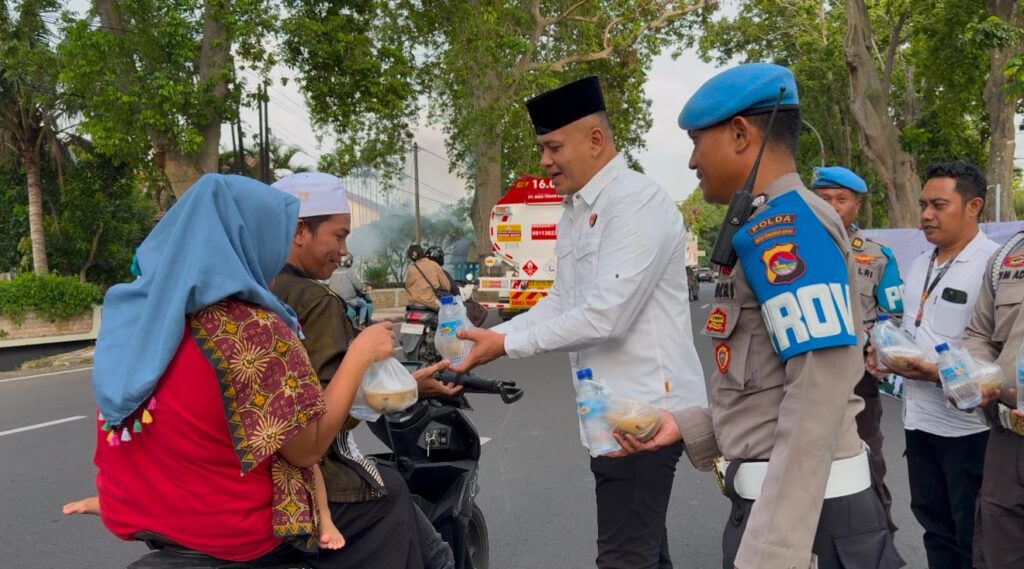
point(996, 330)
point(878, 277)
point(785, 331)
point(619, 304)
point(924, 406)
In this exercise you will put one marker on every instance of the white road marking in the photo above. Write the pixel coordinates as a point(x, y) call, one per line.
point(705, 306)
point(45, 374)
point(41, 425)
point(484, 440)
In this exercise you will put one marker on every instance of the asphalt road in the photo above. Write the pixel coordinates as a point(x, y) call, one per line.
point(536, 486)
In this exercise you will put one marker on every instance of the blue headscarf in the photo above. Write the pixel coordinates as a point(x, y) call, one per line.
point(227, 237)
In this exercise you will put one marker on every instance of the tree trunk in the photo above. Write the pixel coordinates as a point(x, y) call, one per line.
point(487, 190)
point(91, 259)
point(1001, 108)
point(182, 170)
point(869, 105)
point(36, 231)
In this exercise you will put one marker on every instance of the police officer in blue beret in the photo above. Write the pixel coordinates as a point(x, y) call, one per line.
point(881, 291)
point(787, 336)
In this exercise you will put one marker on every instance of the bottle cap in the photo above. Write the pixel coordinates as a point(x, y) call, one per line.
point(585, 373)
point(943, 347)
point(448, 299)
point(882, 318)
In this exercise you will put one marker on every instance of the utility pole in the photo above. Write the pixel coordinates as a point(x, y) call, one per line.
point(416, 185)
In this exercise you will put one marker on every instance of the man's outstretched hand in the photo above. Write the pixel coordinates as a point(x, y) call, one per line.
point(487, 346)
point(430, 387)
point(667, 434)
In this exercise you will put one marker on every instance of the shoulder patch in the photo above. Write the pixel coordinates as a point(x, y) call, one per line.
point(889, 292)
point(806, 306)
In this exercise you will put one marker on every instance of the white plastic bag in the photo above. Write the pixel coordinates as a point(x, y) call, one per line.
point(387, 387)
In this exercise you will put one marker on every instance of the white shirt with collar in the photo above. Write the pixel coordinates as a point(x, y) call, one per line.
point(619, 304)
point(924, 406)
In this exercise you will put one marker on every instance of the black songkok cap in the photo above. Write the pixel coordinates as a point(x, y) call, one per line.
point(569, 103)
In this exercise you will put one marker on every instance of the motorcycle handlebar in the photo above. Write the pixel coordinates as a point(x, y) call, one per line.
point(506, 389)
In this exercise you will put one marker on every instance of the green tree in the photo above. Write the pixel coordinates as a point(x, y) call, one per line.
point(385, 241)
point(356, 70)
point(100, 218)
point(157, 78)
point(30, 105)
point(703, 220)
point(888, 85)
point(482, 59)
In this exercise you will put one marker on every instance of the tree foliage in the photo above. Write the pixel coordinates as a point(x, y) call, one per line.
point(482, 60)
point(932, 58)
point(158, 77)
point(703, 219)
point(357, 72)
point(384, 242)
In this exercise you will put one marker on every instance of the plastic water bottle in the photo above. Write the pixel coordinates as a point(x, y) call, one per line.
point(1020, 379)
point(593, 409)
point(452, 318)
point(956, 379)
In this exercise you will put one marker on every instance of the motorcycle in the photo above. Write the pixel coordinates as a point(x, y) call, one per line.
point(435, 448)
point(416, 334)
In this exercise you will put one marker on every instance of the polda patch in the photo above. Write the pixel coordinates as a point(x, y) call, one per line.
point(772, 221)
point(782, 263)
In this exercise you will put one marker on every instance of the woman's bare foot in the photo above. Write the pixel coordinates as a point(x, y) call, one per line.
point(90, 505)
point(330, 537)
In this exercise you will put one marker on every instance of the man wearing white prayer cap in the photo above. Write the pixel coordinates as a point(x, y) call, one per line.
point(370, 500)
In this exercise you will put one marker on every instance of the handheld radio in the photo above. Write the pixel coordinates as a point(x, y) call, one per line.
point(742, 203)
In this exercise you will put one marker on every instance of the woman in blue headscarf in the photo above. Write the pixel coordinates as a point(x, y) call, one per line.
point(200, 376)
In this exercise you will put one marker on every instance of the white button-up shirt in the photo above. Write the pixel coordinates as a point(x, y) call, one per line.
point(925, 408)
point(619, 304)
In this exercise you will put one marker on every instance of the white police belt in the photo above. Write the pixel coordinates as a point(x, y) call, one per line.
point(847, 477)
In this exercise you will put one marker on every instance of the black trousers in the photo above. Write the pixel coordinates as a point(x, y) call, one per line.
point(632, 502)
point(869, 428)
point(852, 533)
point(945, 477)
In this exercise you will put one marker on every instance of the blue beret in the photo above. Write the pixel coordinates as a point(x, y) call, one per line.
point(746, 89)
point(838, 177)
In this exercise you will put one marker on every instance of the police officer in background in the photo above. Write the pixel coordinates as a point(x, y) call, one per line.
point(787, 343)
point(881, 290)
point(996, 334)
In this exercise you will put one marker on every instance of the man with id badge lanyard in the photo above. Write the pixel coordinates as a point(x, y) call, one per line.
point(945, 446)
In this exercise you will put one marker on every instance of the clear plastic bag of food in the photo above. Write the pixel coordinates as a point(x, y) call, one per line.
point(894, 348)
point(386, 388)
point(638, 419)
point(986, 375)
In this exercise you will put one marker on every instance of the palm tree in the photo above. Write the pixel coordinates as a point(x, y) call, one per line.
point(282, 156)
point(29, 102)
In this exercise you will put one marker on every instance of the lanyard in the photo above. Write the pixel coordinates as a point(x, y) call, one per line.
point(928, 288)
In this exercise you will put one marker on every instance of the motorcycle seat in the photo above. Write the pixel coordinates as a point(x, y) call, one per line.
point(170, 555)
